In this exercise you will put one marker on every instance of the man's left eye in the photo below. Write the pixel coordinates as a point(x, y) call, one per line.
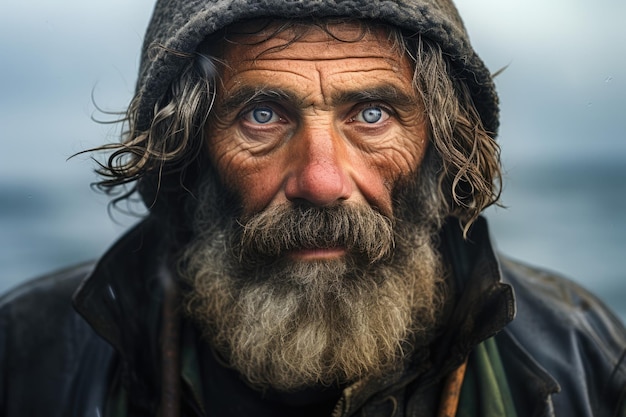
point(371, 115)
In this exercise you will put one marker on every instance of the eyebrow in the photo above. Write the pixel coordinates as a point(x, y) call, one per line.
point(385, 93)
point(250, 94)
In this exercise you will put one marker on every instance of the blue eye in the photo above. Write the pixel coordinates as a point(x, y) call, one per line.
point(371, 115)
point(263, 115)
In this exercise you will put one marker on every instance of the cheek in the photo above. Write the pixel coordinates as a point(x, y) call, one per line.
point(380, 169)
point(257, 189)
point(255, 180)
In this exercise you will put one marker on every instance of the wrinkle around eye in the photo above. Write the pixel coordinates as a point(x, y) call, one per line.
point(261, 139)
point(245, 149)
point(395, 159)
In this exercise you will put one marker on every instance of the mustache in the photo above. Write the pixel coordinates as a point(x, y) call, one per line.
point(359, 229)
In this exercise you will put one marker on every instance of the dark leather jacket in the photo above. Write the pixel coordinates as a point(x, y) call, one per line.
point(563, 353)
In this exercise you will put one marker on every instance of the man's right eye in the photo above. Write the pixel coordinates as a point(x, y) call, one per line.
point(261, 115)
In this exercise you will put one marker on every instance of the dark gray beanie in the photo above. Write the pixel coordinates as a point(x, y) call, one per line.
point(181, 25)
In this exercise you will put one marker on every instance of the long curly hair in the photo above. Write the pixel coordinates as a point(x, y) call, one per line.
point(163, 161)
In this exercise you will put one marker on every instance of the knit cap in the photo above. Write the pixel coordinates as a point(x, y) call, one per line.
point(181, 25)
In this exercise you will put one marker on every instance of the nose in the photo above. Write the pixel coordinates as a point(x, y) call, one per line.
point(319, 173)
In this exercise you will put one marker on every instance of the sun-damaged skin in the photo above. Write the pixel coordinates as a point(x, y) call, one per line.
point(322, 121)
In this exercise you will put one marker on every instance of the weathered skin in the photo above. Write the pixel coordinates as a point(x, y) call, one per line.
point(316, 144)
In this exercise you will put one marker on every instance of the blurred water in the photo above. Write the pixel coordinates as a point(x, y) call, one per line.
point(44, 227)
point(567, 217)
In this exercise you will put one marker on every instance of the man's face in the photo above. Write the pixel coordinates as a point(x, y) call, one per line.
point(329, 272)
point(320, 121)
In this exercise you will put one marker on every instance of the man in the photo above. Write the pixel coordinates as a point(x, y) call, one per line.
point(315, 172)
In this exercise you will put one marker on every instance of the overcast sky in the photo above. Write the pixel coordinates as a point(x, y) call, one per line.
point(564, 92)
point(563, 97)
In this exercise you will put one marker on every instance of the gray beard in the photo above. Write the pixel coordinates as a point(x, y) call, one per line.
point(290, 324)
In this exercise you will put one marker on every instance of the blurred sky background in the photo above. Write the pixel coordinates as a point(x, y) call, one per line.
point(563, 100)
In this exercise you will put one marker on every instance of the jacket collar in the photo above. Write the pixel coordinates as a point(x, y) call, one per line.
point(122, 301)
